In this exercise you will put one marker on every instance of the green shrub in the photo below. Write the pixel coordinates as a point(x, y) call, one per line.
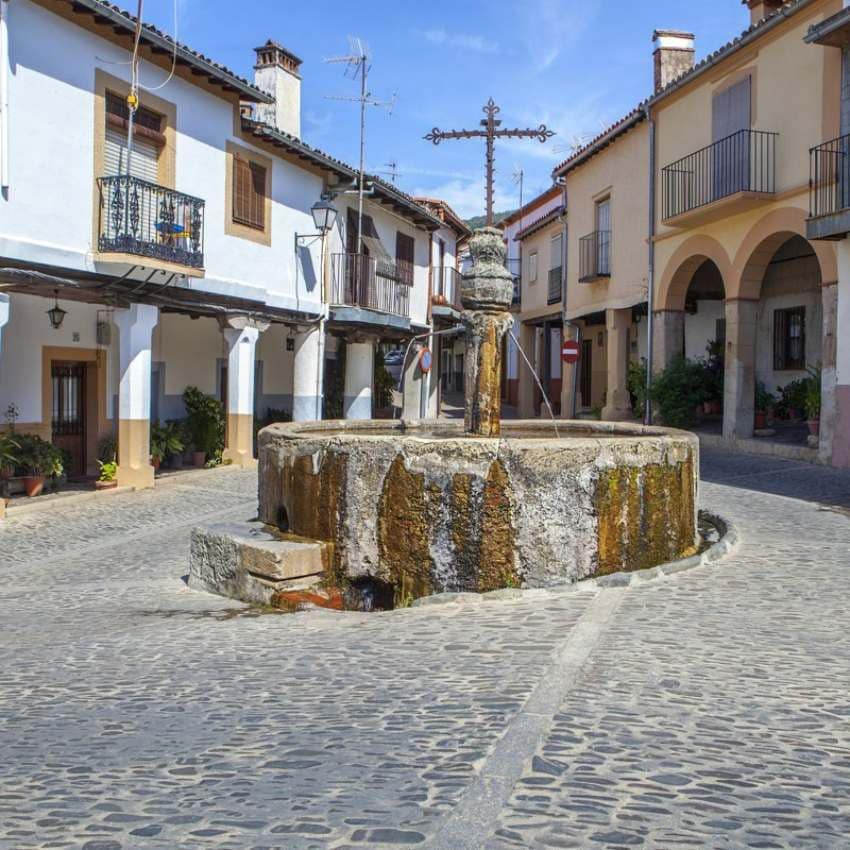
point(813, 386)
point(764, 399)
point(166, 440)
point(678, 390)
point(636, 384)
point(384, 384)
point(36, 456)
point(205, 422)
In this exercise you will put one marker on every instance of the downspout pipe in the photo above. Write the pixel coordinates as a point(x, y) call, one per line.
point(650, 269)
point(4, 96)
point(564, 291)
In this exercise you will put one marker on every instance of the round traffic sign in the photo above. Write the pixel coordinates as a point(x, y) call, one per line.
point(570, 351)
point(425, 360)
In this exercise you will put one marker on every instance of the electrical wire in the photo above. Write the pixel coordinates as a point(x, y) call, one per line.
point(173, 58)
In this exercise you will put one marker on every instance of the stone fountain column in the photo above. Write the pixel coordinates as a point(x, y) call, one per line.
point(486, 292)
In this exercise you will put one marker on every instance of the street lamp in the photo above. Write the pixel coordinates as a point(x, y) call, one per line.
point(56, 314)
point(324, 216)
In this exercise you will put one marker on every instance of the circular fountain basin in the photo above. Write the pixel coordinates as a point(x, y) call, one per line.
point(425, 508)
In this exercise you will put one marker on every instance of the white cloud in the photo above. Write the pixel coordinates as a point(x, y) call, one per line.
point(462, 41)
point(548, 27)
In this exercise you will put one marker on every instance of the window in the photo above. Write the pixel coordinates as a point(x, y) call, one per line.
point(532, 267)
point(249, 193)
point(148, 140)
point(789, 338)
point(603, 237)
point(404, 248)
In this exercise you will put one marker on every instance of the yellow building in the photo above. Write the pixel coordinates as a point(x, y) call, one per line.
point(747, 235)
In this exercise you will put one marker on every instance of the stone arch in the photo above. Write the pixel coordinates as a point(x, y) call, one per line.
point(763, 241)
point(683, 265)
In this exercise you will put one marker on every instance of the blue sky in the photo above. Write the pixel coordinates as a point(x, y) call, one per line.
point(574, 64)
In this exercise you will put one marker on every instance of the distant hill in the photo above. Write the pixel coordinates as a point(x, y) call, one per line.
point(479, 220)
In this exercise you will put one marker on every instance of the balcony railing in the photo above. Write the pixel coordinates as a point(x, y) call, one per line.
point(358, 280)
point(137, 217)
point(594, 256)
point(829, 177)
point(555, 285)
point(446, 286)
point(742, 162)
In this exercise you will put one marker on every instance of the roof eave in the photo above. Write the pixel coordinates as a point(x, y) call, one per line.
point(217, 75)
point(601, 143)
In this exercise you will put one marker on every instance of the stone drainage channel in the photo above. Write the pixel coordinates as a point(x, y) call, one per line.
point(275, 572)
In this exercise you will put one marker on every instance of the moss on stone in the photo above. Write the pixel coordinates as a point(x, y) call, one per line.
point(403, 532)
point(645, 516)
point(497, 567)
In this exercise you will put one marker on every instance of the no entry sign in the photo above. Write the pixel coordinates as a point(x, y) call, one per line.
point(570, 351)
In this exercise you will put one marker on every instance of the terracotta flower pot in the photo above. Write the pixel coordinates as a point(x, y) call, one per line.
point(33, 485)
point(760, 420)
point(814, 427)
point(199, 459)
point(156, 462)
point(105, 485)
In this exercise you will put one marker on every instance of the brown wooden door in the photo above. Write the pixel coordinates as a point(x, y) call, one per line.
point(586, 371)
point(69, 414)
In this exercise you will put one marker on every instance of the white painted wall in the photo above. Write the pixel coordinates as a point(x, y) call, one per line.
point(51, 101)
point(27, 332)
point(701, 327)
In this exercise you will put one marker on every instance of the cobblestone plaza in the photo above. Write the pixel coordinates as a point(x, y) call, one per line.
point(709, 709)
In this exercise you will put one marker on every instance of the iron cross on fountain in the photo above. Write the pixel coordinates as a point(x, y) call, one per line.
point(491, 130)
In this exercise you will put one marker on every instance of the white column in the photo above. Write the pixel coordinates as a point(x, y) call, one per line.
point(135, 326)
point(412, 385)
point(307, 374)
point(359, 373)
point(241, 338)
point(4, 316)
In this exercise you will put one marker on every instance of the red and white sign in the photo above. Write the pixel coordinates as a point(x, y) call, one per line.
point(570, 351)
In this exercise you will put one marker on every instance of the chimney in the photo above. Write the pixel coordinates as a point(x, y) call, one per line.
point(277, 73)
point(760, 9)
point(674, 56)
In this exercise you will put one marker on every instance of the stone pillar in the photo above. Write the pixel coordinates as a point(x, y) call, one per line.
point(135, 327)
point(739, 376)
point(411, 386)
point(618, 402)
point(307, 374)
point(359, 375)
point(841, 430)
point(485, 332)
point(526, 385)
point(241, 335)
point(829, 302)
point(668, 337)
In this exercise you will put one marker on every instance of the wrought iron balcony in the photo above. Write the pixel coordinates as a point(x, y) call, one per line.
point(744, 162)
point(358, 280)
point(829, 177)
point(555, 285)
point(594, 256)
point(137, 217)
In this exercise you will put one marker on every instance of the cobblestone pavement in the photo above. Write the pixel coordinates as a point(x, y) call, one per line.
point(710, 709)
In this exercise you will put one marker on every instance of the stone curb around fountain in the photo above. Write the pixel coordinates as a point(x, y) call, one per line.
point(717, 550)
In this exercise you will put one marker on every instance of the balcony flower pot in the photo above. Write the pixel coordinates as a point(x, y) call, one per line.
point(814, 427)
point(33, 485)
point(760, 420)
point(199, 459)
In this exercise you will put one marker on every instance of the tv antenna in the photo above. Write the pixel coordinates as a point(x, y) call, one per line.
point(391, 170)
point(358, 64)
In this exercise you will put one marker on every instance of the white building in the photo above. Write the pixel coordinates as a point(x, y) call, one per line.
point(203, 266)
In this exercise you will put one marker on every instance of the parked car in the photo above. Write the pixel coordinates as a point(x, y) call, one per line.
point(393, 363)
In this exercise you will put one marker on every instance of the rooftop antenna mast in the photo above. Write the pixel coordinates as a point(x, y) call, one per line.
point(358, 64)
point(518, 178)
point(391, 170)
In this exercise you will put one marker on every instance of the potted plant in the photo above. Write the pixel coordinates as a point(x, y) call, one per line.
point(813, 400)
point(764, 401)
point(108, 475)
point(205, 421)
point(39, 459)
point(8, 456)
point(165, 443)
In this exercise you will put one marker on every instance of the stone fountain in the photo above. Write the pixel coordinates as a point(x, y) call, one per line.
point(403, 509)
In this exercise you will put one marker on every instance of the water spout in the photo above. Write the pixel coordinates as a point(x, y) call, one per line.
point(539, 383)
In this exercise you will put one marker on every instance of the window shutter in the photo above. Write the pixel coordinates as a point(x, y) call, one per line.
point(780, 329)
point(249, 193)
point(144, 162)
